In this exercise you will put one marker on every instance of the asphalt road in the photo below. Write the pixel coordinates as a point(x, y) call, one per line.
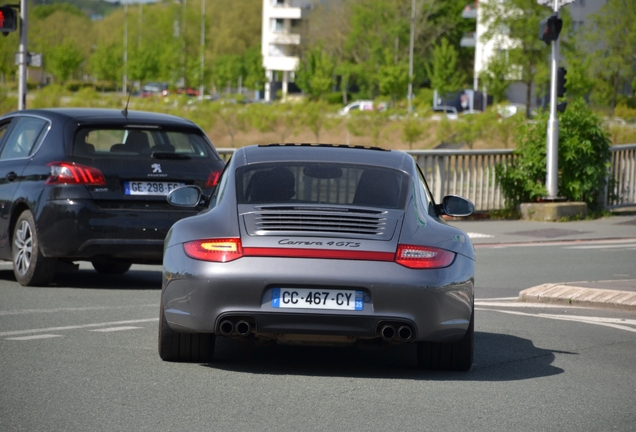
point(82, 356)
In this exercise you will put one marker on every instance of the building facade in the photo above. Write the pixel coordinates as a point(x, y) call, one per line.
point(281, 37)
point(579, 10)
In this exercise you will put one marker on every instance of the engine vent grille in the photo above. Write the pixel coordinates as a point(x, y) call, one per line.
point(324, 221)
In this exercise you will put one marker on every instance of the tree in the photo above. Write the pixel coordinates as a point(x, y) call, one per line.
point(315, 73)
point(392, 77)
point(226, 71)
point(494, 78)
point(106, 62)
point(143, 64)
point(513, 26)
point(233, 118)
point(64, 31)
point(368, 123)
point(279, 118)
point(444, 73)
point(65, 59)
point(610, 41)
point(316, 117)
point(253, 69)
point(357, 33)
point(413, 129)
point(584, 157)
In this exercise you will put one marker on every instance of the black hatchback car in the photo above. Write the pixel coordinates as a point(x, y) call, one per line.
point(91, 185)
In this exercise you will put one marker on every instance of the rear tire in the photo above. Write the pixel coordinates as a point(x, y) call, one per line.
point(29, 266)
point(455, 356)
point(111, 267)
point(184, 347)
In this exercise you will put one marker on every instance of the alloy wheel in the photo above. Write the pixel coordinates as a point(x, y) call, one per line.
point(24, 247)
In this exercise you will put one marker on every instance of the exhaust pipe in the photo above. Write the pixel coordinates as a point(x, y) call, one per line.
point(226, 327)
point(405, 333)
point(387, 332)
point(243, 328)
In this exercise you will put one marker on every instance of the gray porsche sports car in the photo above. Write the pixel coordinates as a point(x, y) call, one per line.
point(319, 244)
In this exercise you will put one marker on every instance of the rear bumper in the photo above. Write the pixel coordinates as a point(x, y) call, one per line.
point(79, 229)
point(435, 304)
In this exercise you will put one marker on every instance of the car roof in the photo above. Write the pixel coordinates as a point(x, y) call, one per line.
point(107, 116)
point(340, 153)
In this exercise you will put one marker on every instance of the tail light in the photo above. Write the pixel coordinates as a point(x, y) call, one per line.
point(216, 250)
point(72, 173)
point(230, 249)
point(421, 257)
point(213, 179)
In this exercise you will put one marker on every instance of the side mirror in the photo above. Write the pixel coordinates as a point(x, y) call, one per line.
point(185, 196)
point(453, 205)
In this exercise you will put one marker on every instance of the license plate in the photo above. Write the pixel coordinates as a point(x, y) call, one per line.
point(150, 187)
point(317, 299)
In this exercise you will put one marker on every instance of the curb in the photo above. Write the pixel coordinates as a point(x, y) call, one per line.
point(577, 296)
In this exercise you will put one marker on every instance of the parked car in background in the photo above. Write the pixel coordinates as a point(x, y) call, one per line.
point(319, 244)
point(91, 185)
point(362, 105)
point(154, 89)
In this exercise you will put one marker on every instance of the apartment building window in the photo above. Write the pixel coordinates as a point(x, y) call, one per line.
point(276, 51)
point(278, 25)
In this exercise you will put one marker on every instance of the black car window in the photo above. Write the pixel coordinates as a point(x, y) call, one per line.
point(322, 183)
point(122, 142)
point(3, 129)
point(423, 197)
point(24, 138)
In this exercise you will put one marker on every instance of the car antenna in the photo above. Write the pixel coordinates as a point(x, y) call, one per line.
point(125, 110)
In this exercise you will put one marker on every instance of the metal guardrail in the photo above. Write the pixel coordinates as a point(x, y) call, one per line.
point(471, 174)
point(622, 185)
point(468, 173)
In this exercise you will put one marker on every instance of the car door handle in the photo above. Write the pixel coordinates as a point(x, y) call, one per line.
point(11, 176)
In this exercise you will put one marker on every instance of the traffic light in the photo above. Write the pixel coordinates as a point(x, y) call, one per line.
point(561, 81)
point(561, 106)
point(550, 28)
point(8, 20)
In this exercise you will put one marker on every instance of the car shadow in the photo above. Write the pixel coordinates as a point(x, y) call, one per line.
point(89, 279)
point(498, 357)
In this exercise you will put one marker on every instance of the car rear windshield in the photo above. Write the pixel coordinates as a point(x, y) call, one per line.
point(121, 142)
point(321, 183)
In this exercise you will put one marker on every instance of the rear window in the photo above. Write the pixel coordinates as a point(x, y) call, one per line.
point(320, 183)
point(119, 142)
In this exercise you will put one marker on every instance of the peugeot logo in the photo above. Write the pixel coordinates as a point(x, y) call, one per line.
point(156, 168)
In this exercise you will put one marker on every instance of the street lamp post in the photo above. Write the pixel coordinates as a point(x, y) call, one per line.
point(552, 154)
point(201, 86)
point(125, 80)
point(22, 57)
point(412, 41)
point(552, 151)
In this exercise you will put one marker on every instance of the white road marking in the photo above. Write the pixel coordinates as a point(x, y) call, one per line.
point(565, 243)
point(604, 246)
point(522, 305)
point(51, 329)
point(114, 329)
point(80, 309)
point(499, 299)
point(478, 235)
point(43, 336)
point(607, 322)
